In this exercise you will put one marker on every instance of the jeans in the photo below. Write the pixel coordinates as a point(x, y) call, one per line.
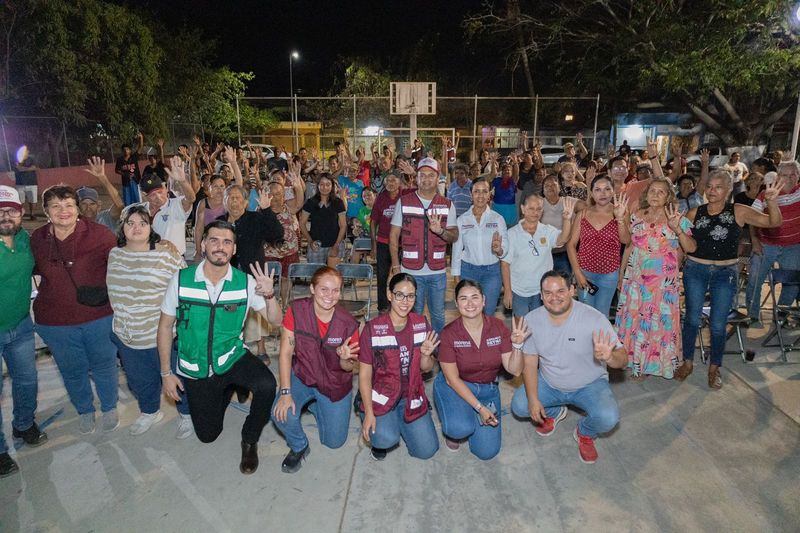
point(209, 398)
point(333, 418)
point(460, 421)
point(130, 193)
point(522, 305)
point(491, 281)
point(17, 348)
point(720, 282)
point(595, 399)
point(561, 263)
point(419, 435)
point(606, 287)
point(787, 257)
point(321, 255)
point(432, 288)
point(383, 264)
point(82, 349)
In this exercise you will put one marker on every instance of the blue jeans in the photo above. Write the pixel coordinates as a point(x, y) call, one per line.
point(79, 350)
point(17, 348)
point(606, 287)
point(143, 371)
point(333, 418)
point(561, 263)
point(491, 280)
point(432, 288)
point(460, 421)
point(130, 193)
point(595, 399)
point(522, 305)
point(787, 257)
point(419, 435)
point(720, 282)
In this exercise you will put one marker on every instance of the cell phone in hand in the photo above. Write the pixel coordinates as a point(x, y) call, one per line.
point(592, 288)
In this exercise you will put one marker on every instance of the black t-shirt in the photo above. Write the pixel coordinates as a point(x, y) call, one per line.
point(324, 220)
point(742, 198)
point(160, 170)
point(128, 169)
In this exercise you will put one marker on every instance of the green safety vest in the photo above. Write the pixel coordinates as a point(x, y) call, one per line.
point(210, 333)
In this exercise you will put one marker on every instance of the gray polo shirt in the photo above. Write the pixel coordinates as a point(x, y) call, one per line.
point(566, 354)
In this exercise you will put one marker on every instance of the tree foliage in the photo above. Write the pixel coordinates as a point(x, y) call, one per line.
point(734, 63)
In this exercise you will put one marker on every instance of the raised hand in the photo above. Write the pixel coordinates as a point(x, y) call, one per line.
point(497, 244)
point(677, 150)
point(611, 152)
point(435, 224)
point(264, 283)
point(97, 167)
point(603, 345)
point(589, 175)
point(620, 205)
point(579, 137)
point(160, 142)
point(519, 330)
point(430, 343)
point(705, 156)
point(569, 206)
point(406, 168)
point(264, 198)
point(673, 217)
point(196, 140)
point(348, 350)
point(773, 189)
point(229, 155)
point(175, 169)
point(652, 148)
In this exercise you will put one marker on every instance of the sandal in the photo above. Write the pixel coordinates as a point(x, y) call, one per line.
point(684, 370)
point(714, 377)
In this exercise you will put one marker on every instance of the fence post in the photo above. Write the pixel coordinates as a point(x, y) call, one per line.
point(474, 129)
point(594, 133)
point(354, 122)
point(535, 117)
point(796, 129)
point(5, 143)
point(174, 141)
point(238, 121)
point(66, 143)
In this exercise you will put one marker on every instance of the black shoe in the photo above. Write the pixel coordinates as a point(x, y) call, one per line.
point(249, 462)
point(32, 436)
point(294, 460)
point(7, 465)
point(379, 454)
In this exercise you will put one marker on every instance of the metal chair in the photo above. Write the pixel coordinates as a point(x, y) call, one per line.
point(353, 274)
point(782, 313)
point(301, 272)
point(276, 267)
point(737, 320)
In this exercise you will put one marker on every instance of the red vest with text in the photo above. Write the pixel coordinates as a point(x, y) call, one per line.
point(315, 361)
point(386, 365)
point(420, 245)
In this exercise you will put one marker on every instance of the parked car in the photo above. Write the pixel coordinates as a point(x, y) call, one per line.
point(718, 158)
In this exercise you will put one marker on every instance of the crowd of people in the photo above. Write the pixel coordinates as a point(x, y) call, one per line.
point(567, 250)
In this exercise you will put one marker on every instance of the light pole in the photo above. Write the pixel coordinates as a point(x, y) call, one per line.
point(293, 56)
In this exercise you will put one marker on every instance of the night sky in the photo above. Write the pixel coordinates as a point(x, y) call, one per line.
point(258, 36)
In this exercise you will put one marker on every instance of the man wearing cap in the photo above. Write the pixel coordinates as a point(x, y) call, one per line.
point(569, 151)
point(16, 327)
point(89, 202)
point(169, 214)
point(423, 224)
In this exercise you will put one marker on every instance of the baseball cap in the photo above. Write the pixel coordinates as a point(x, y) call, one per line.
point(428, 162)
point(9, 197)
point(87, 193)
point(151, 183)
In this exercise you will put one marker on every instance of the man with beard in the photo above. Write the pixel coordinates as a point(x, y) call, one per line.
point(16, 328)
point(207, 304)
point(571, 343)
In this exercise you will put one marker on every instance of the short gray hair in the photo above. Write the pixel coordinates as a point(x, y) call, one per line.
point(794, 164)
point(722, 175)
point(234, 187)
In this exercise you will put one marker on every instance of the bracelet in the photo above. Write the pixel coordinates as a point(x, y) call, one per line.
point(396, 267)
point(517, 346)
point(285, 391)
point(269, 296)
point(477, 407)
point(654, 157)
point(167, 373)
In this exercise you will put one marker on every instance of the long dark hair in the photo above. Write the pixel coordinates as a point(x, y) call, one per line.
point(332, 197)
point(127, 213)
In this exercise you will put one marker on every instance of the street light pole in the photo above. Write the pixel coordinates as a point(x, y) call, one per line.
point(293, 55)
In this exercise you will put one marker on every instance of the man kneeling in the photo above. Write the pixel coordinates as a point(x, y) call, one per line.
point(566, 356)
point(208, 304)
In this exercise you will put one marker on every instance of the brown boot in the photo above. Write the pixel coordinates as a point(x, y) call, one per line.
point(714, 378)
point(684, 370)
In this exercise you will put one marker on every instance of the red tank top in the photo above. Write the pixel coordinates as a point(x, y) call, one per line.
point(599, 250)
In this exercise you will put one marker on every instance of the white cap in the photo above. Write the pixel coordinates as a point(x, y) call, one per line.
point(9, 197)
point(428, 162)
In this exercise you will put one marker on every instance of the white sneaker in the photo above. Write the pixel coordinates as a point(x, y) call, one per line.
point(185, 427)
point(145, 422)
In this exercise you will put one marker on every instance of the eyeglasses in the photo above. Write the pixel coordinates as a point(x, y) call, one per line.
point(534, 249)
point(10, 212)
point(402, 297)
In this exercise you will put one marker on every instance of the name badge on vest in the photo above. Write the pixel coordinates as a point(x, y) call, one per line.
point(231, 308)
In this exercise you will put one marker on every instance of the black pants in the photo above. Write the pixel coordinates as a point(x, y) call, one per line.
point(208, 399)
point(383, 264)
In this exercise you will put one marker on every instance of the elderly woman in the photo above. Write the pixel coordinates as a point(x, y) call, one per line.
point(648, 320)
point(287, 252)
point(139, 271)
point(713, 266)
point(72, 312)
point(552, 209)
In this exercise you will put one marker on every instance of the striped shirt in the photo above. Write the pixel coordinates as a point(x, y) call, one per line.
point(136, 283)
point(788, 233)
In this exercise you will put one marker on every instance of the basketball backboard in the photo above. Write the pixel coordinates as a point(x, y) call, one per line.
point(412, 98)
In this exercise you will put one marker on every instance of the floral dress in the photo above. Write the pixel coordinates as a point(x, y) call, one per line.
point(648, 320)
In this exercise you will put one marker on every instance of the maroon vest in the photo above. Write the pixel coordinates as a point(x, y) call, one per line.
point(386, 365)
point(420, 245)
point(315, 361)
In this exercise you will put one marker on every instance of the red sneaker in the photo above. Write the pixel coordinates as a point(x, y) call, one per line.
point(452, 445)
point(547, 427)
point(585, 447)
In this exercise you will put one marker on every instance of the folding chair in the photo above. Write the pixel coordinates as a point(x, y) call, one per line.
point(353, 274)
point(301, 272)
point(782, 313)
point(737, 320)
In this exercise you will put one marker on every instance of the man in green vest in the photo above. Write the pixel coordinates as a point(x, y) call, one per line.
point(207, 304)
point(16, 328)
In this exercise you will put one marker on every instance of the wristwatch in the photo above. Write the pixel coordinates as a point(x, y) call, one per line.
point(285, 392)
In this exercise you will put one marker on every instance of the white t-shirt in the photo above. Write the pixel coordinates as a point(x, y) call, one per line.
point(737, 171)
point(397, 220)
point(170, 223)
point(530, 257)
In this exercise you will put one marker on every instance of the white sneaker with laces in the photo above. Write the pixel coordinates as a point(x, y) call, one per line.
point(185, 427)
point(145, 422)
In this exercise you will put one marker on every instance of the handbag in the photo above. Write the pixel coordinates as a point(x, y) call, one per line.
point(88, 295)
